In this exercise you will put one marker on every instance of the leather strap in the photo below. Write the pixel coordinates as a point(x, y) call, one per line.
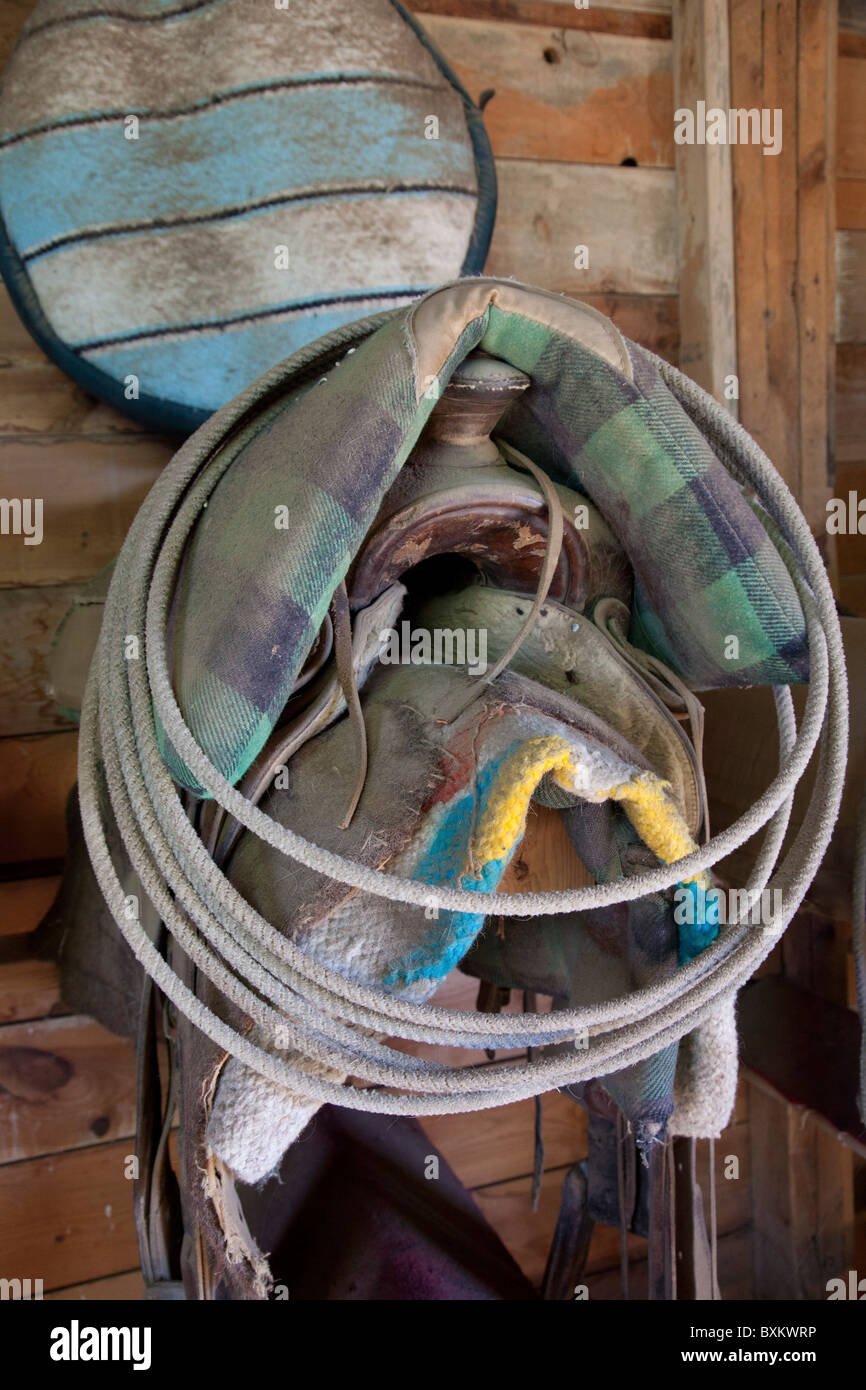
point(569, 1248)
point(662, 1271)
point(349, 687)
point(156, 1196)
point(695, 1272)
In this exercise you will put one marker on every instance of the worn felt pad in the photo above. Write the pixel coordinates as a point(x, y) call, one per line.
point(191, 192)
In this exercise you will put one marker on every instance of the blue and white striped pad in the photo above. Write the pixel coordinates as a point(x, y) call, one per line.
point(191, 190)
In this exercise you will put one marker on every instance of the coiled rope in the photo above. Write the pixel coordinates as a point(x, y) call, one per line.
point(305, 1007)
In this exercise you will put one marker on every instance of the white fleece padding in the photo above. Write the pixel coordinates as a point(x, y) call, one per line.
point(253, 1121)
point(705, 1085)
point(102, 288)
point(117, 66)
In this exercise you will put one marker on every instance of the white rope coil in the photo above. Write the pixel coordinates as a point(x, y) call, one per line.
point(304, 1006)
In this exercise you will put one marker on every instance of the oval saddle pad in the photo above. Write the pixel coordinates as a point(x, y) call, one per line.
point(191, 190)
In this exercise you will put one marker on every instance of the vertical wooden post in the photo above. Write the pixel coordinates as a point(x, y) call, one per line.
point(783, 58)
point(708, 348)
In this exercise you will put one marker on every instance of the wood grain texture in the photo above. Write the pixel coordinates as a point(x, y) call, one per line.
point(564, 94)
point(29, 619)
point(36, 775)
point(636, 6)
point(37, 398)
point(851, 287)
point(68, 1219)
point(806, 1049)
point(90, 489)
point(735, 1275)
point(850, 403)
point(64, 1083)
point(708, 348)
point(851, 204)
point(851, 551)
point(117, 1288)
point(547, 209)
point(817, 97)
point(802, 1203)
point(546, 859)
point(649, 319)
point(29, 989)
point(784, 211)
point(851, 118)
point(494, 1145)
point(24, 902)
point(851, 476)
point(815, 955)
point(640, 20)
point(852, 16)
point(527, 1234)
point(12, 16)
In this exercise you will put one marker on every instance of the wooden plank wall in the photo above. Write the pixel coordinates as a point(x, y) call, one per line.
point(783, 57)
point(583, 138)
point(801, 286)
point(850, 251)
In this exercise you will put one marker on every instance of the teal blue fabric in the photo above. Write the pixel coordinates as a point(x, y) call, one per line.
point(309, 133)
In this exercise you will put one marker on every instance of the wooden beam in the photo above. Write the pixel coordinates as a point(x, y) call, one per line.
point(816, 172)
point(783, 57)
point(851, 293)
point(68, 1218)
point(852, 16)
point(850, 406)
point(851, 117)
point(708, 349)
point(562, 94)
point(640, 21)
point(546, 209)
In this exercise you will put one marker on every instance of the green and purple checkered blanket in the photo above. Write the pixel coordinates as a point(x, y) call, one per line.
point(323, 438)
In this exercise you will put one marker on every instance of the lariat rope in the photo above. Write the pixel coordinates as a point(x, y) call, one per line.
point(306, 1007)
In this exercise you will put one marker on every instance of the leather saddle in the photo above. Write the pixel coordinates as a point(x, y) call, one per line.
point(478, 659)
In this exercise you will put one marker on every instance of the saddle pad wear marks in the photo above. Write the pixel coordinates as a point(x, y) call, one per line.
point(177, 214)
